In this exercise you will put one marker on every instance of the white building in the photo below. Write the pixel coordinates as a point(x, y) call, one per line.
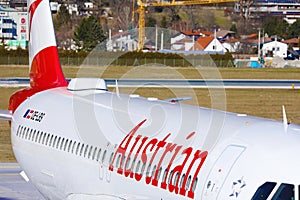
point(209, 44)
point(275, 48)
point(14, 27)
point(121, 42)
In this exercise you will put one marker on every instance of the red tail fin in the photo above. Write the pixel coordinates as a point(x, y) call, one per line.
point(45, 66)
point(45, 72)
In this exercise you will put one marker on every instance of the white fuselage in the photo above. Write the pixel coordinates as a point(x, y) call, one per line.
point(65, 141)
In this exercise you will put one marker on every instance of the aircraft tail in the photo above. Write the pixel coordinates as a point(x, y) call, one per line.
point(45, 68)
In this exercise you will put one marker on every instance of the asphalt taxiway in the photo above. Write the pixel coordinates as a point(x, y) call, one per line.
point(13, 186)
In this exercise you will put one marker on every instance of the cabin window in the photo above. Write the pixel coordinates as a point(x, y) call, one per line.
point(103, 156)
point(194, 185)
point(73, 147)
point(41, 140)
point(123, 160)
point(66, 145)
point(58, 141)
point(51, 140)
point(20, 131)
point(137, 166)
point(86, 150)
point(70, 145)
point(176, 178)
point(90, 152)
point(81, 150)
point(94, 154)
point(169, 177)
point(55, 139)
point(23, 133)
point(148, 170)
point(111, 157)
point(188, 182)
point(48, 139)
point(31, 135)
point(44, 138)
point(40, 137)
point(159, 173)
point(28, 134)
point(143, 167)
point(17, 134)
point(98, 155)
point(264, 191)
point(34, 135)
point(61, 144)
point(285, 191)
point(37, 136)
point(132, 165)
point(181, 180)
point(118, 160)
point(165, 174)
point(127, 162)
point(153, 171)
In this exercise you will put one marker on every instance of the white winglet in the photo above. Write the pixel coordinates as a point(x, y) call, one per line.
point(5, 115)
point(284, 118)
point(117, 89)
point(24, 176)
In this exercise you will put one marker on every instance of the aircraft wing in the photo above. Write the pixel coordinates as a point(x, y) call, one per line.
point(5, 115)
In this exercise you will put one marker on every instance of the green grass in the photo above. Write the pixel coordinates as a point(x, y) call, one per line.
point(161, 72)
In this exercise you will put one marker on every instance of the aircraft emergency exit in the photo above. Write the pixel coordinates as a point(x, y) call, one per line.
point(77, 140)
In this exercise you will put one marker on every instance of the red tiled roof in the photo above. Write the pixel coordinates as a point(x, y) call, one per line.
point(203, 42)
point(254, 35)
point(207, 33)
point(291, 41)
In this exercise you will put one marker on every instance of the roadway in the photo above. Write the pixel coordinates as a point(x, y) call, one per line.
point(191, 83)
point(13, 186)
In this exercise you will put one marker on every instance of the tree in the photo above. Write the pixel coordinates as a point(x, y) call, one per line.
point(163, 22)
point(88, 34)
point(275, 26)
point(63, 28)
point(63, 17)
point(282, 28)
point(151, 22)
point(233, 28)
point(294, 29)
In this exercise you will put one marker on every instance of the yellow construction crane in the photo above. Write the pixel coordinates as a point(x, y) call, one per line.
point(142, 5)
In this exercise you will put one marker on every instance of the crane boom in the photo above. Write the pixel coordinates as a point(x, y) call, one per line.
point(142, 5)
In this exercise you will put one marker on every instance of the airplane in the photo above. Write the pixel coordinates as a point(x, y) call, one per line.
point(78, 140)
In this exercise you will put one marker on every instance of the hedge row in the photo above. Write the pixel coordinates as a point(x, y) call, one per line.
point(20, 56)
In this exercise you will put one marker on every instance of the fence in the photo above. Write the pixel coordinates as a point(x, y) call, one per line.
point(124, 61)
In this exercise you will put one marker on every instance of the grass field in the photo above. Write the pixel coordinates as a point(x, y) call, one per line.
point(258, 102)
point(162, 72)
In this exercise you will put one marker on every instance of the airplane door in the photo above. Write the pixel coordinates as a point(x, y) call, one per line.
point(220, 170)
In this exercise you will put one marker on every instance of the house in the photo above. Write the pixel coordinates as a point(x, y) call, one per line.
point(232, 45)
point(275, 48)
point(223, 35)
point(208, 44)
point(197, 34)
point(292, 43)
point(184, 44)
point(122, 41)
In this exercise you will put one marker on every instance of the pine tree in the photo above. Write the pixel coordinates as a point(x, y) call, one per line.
point(88, 34)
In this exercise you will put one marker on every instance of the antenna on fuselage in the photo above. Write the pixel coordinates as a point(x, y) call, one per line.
point(284, 118)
